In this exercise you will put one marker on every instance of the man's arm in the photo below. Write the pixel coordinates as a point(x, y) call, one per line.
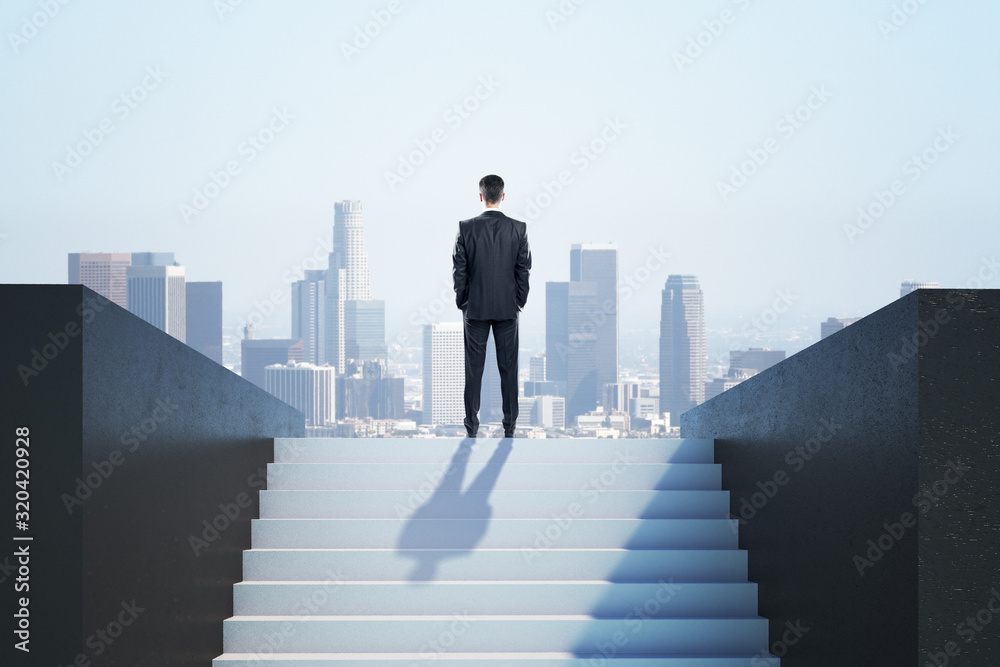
point(522, 267)
point(459, 272)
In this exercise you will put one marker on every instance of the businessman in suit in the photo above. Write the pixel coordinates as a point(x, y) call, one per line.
point(491, 261)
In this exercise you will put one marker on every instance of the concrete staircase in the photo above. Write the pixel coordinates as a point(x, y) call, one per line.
point(406, 552)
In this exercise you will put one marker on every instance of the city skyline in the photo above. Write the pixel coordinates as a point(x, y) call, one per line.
point(600, 127)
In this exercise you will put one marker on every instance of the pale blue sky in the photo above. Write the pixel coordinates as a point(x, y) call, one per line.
point(680, 131)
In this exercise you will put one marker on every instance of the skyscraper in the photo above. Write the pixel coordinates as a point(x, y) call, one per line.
point(364, 329)
point(348, 279)
point(444, 373)
point(682, 346)
point(571, 317)
point(308, 314)
point(104, 272)
point(598, 263)
point(157, 294)
point(203, 321)
point(306, 387)
point(257, 354)
point(536, 368)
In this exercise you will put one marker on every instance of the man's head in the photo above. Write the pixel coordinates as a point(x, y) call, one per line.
point(491, 190)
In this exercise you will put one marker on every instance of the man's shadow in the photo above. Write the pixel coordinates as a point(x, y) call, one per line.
point(452, 522)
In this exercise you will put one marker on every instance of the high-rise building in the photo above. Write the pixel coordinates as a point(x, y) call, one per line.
point(550, 412)
point(104, 272)
point(598, 263)
point(755, 359)
point(153, 259)
point(306, 387)
point(835, 324)
point(908, 286)
point(308, 313)
point(444, 373)
point(368, 391)
point(258, 353)
point(348, 279)
point(536, 368)
point(364, 329)
point(157, 294)
point(571, 313)
point(203, 321)
point(683, 346)
point(620, 396)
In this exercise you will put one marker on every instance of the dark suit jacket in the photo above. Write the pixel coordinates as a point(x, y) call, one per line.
point(491, 261)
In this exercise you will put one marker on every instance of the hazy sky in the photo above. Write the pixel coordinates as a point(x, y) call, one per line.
point(833, 100)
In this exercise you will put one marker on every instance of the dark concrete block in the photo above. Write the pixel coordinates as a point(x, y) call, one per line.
point(825, 455)
point(148, 459)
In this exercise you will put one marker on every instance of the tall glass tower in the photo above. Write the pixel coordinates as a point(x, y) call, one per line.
point(682, 346)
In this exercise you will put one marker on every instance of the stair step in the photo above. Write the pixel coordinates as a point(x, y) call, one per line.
point(459, 631)
point(619, 565)
point(595, 504)
point(488, 660)
point(401, 598)
point(479, 450)
point(484, 532)
point(426, 477)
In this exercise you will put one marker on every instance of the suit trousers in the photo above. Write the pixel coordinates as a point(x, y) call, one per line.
point(477, 333)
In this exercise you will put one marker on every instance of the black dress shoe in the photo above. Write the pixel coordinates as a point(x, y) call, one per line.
point(508, 435)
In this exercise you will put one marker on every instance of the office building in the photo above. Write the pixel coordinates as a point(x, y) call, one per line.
point(835, 324)
point(306, 387)
point(682, 346)
point(366, 391)
point(598, 263)
point(443, 373)
point(364, 329)
point(348, 279)
point(755, 359)
point(257, 354)
point(104, 272)
point(536, 368)
point(203, 320)
point(308, 313)
point(571, 358)
point(157, 294)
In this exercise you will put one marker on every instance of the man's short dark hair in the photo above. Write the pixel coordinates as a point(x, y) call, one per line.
point(491, 188)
